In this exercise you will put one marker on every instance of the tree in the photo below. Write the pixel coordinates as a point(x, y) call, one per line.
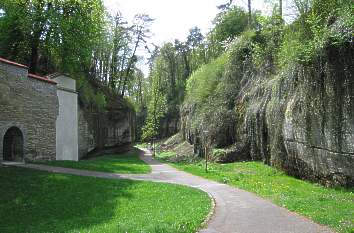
point(184, 51)
point(228, 24)
point(50, 35)
point(302, 6)
point(141, 31)
point(157, 105)
point(249, 14)
point(194, 38)
point(226, 6)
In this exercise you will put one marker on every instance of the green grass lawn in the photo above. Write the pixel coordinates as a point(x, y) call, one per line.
point(118, 163)
point(38, 202)
point(327, 206)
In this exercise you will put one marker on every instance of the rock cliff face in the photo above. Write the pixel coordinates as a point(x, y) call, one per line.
point(300, 120)
point(303, 120)
point(108, 129)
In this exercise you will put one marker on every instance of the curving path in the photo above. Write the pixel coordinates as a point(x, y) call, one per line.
point(236, 211)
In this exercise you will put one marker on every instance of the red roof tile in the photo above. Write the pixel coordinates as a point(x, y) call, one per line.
point(13, 63)
point(41, 79)
point(29, 75)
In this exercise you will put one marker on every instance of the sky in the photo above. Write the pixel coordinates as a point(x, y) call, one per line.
point(174, 18)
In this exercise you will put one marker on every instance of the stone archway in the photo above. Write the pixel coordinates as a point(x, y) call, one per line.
point(13, 145)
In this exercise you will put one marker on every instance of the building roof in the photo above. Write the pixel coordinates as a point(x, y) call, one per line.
point(44, 79)
point(12, 63)
point(34, 76)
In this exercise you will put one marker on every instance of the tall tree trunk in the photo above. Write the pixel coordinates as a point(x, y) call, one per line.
point(186, 66)
point(130, 63)
point(34, 56)
point(40, 16)
point(249, 14)
point(140, 83)
point(281, 8)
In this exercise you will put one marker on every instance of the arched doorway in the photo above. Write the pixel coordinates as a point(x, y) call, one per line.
point(13, 145)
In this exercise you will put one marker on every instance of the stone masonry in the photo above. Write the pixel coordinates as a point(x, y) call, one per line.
point(51, 122)
point(29, 103)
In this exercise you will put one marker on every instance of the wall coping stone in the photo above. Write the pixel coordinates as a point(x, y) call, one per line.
point(42, 79)
point(12, 63)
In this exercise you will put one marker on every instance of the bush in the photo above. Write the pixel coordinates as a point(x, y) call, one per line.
point(203, 82)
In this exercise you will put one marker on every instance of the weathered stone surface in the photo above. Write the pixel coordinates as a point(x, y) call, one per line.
point(169, 126)
point(303, 120)
point(300, 120)
point(31, 105)
point(107, 129)
point(86, 139)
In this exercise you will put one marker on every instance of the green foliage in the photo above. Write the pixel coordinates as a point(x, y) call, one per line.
point(212, 91)
point(51, 35)
point(328, 22)
point(100, 100)
point(79, 38)
point(157, 107)
point(218, 153)
point(215, 94)
point(229, 24)
point(203, 82)
point(166, 154)
point(141, 145)
point(42, 202)
point(266, 43)
point(156, 111)
point(89, 97)
point(172, 65)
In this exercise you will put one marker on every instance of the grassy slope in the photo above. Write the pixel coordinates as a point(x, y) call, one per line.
point(328, 206)
point(38, 202)
point(117, 163)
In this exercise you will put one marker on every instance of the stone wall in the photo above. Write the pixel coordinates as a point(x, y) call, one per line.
point(29, 103)
point(169, 126)
point(111, 129)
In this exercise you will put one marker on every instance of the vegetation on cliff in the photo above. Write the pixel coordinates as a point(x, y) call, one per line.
point(281, 92)
point(271, 88)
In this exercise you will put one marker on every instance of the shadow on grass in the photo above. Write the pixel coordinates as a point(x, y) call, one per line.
point(35, 201)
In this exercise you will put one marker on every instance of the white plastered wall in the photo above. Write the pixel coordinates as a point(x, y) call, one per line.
point(67, 121)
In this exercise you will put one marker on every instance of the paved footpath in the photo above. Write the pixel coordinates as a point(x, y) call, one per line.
point(236, 211)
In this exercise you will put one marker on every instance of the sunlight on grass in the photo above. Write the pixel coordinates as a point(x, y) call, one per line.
point(329, 206)
point(117, 163)
point(166, 154)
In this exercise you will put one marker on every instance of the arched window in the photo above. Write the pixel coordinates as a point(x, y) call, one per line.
point(13, 145)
